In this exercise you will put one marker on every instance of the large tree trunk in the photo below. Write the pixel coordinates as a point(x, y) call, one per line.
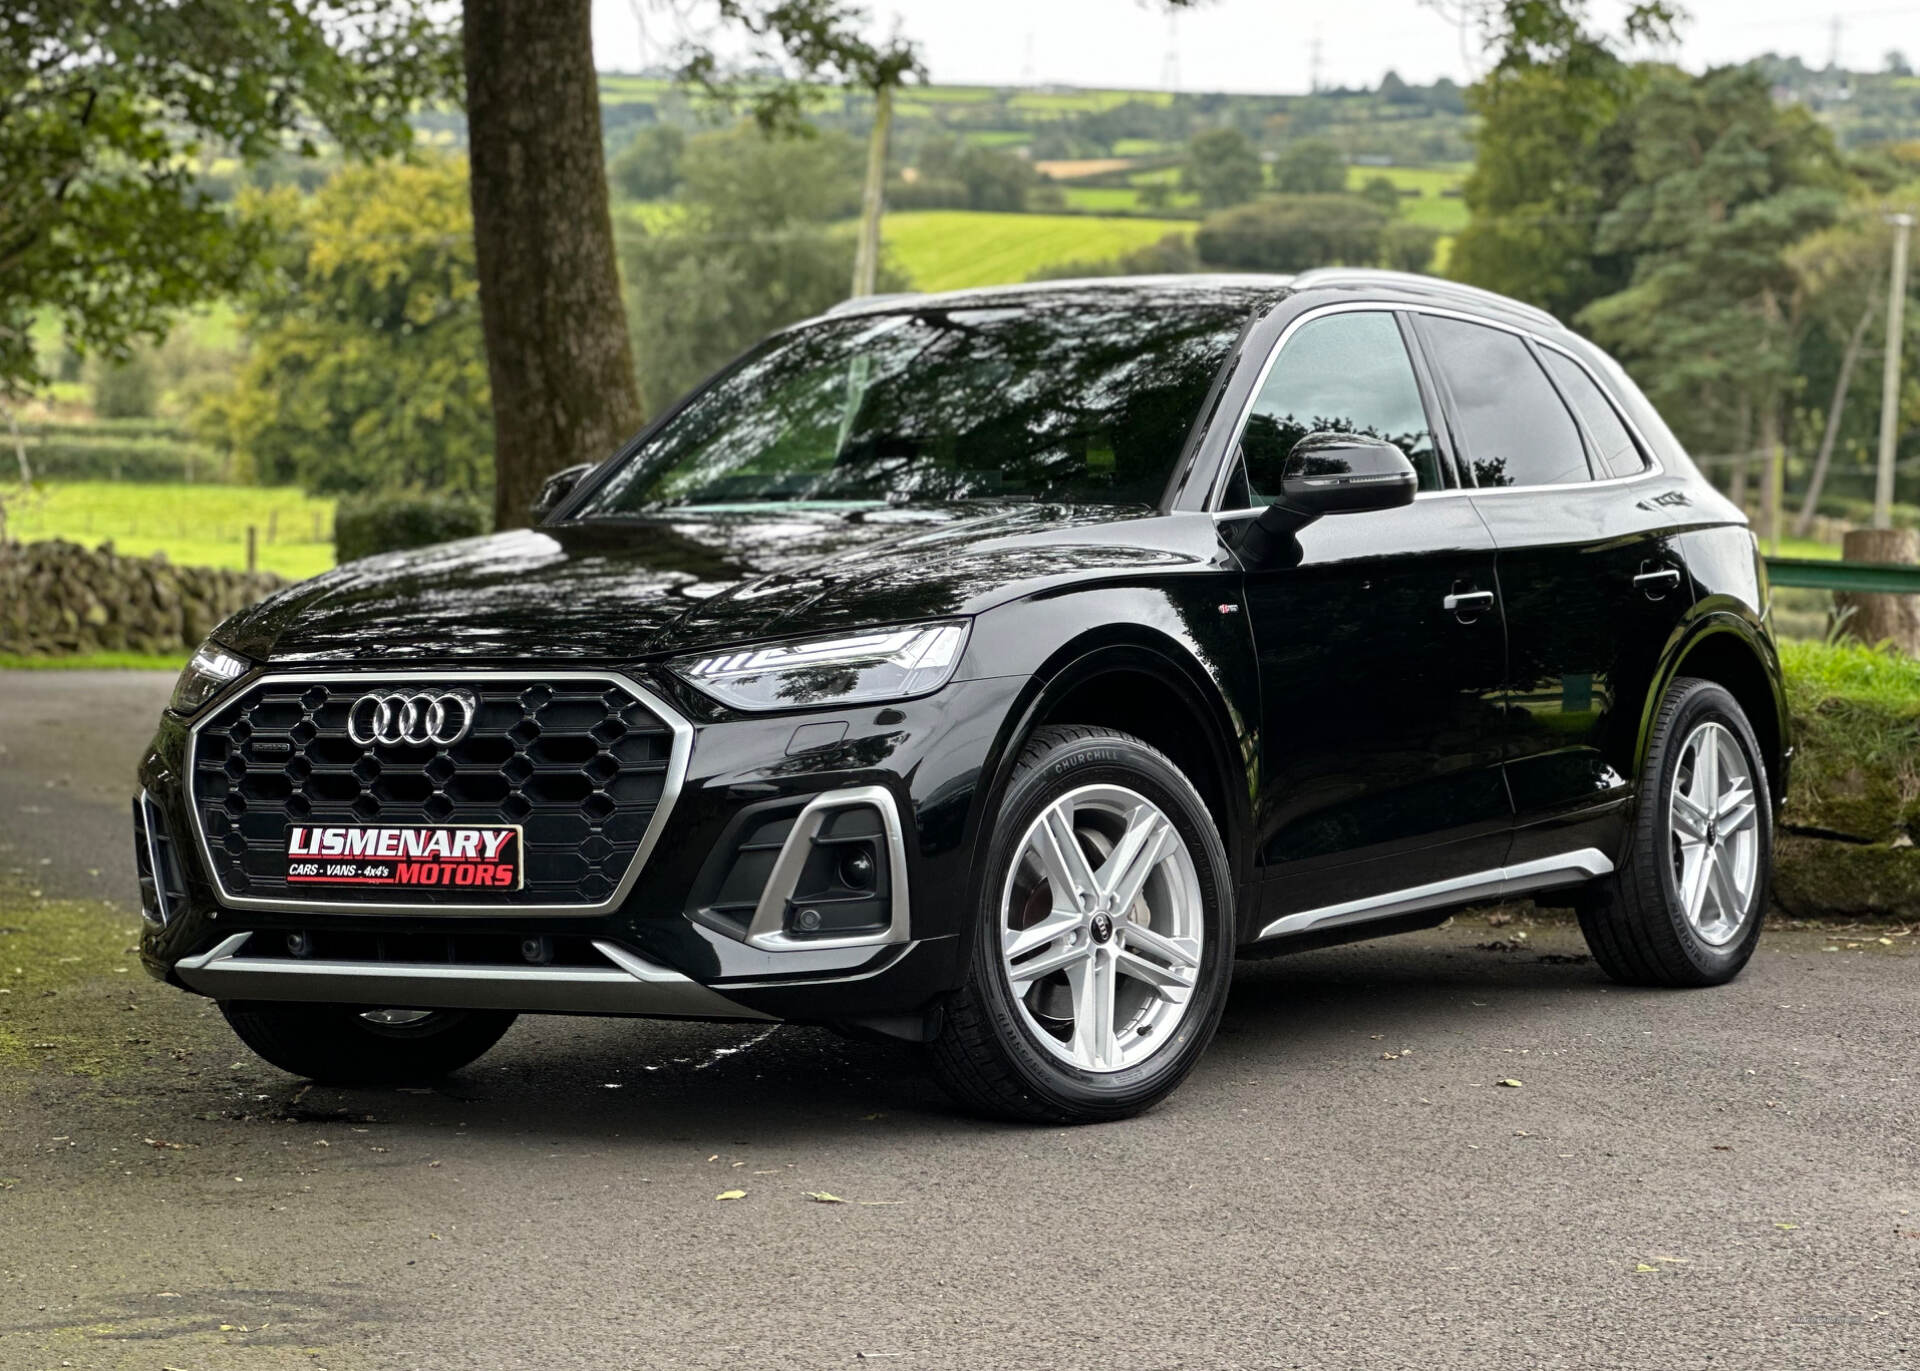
point(1835, 408)
point(558, 354)
point(1892, 619)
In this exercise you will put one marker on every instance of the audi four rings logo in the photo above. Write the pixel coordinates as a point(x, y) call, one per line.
point(411, 716)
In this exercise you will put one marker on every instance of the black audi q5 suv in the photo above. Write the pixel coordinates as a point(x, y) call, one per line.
point(989, 670)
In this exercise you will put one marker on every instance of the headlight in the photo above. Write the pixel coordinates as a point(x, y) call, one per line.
point(848, 668)
point(210, 670)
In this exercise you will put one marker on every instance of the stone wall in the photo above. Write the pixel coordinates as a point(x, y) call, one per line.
point(58, 598)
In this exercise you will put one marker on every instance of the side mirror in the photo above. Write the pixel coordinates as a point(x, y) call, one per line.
point(1330, 473)
point(556, 488)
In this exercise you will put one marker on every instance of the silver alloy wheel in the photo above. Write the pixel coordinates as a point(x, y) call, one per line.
point(1715, 822)
point(1102, 926)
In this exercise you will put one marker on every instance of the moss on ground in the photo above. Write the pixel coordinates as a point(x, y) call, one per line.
point(62, 962)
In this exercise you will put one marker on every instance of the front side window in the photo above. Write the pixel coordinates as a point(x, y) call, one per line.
point(1512, 425)
point(1084, 401)
point(1619, 455)
point(1347, 373)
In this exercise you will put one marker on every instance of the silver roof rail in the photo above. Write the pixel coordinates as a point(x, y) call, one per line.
point(1415, 284)
point(862, 301)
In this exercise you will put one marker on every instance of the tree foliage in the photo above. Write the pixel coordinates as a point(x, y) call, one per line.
point(366, 369)
point(105, 107)
point(1222, 168)
point(648, 167)
point(752, 248)
point(1721, 184)
point(1311, 166)
point(1294, 233)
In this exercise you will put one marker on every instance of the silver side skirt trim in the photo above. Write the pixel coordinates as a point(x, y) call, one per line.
point(1569, 868)
point(632, 985)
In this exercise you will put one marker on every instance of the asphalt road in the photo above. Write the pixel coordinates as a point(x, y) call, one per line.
point(1713, 1179)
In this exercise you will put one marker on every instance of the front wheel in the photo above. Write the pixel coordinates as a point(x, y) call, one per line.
point(1104, 939)
point(353, 1045)
point(1685, 907)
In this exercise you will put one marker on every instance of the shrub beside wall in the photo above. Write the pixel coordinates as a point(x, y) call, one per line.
point(1846, 844)
point(367, 524)
point(59, 598)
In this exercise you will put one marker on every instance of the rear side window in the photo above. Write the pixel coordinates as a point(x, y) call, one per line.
point(1348, 373)
point(1619, 456)
point(1514, 428)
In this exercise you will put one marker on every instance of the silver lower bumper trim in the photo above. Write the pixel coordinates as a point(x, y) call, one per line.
point(632, 985)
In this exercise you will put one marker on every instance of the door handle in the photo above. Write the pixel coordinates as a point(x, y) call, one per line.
point(1657, 583)
point(1463, 603)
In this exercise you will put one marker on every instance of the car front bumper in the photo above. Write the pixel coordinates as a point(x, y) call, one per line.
point(922, 767)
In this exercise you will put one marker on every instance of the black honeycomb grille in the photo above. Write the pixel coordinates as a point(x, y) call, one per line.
point(580, 765)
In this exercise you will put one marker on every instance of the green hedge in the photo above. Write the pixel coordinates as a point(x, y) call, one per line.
point(389, 521)
point(108, 457)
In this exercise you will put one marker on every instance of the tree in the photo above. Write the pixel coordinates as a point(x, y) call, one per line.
point(1294, 233)
point(995, 180)
point(1549, 158)
point(1381, 191)
point(1311, 166)
point(364, 370)
point(753, 249)
point(1408, 247)
point(1723, 183)
point(1222, 168)
point(108, 104)
point(648, 167)
point(1842, 271)
point(558, 354)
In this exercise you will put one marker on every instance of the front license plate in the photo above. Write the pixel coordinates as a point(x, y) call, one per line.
point(427, 856)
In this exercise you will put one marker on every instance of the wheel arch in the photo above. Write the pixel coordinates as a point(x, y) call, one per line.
point(1139, 681)
point(1739, 657)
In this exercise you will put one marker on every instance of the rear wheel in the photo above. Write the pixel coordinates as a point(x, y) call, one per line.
point(354, 1045)
point(1685, 908)
point(1104, 940)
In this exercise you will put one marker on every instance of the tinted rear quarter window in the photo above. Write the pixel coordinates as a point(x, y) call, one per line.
point(1619, 455)
point(1512, 424)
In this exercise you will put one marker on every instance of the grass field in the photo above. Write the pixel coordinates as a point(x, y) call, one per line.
point(195, 525)
point(955, 249)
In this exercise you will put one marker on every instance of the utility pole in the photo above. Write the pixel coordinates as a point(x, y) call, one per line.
point(1890, 372)
point(866, 252)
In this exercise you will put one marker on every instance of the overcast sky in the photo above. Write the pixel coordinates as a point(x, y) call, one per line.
point(1267, 46)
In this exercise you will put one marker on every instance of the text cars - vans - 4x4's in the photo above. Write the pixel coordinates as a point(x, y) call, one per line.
point(987, 670)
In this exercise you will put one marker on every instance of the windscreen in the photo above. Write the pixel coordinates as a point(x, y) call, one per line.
point(1088, 401)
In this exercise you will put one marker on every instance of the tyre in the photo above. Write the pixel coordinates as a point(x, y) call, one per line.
point(1103, 942)
point(1686, 906)
point(354, 1045)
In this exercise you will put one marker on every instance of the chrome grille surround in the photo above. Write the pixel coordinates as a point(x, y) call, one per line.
point(347, 685)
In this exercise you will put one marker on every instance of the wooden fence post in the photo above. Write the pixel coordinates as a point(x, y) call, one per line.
point(253, 550)
point(1893, 619)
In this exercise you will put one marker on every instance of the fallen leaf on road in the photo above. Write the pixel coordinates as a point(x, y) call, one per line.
point(166, 1146)
point(1641, 1269)
point(731, 1195)
point(1508, 1082)
point(822, 1197)
point(1786, 1227)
